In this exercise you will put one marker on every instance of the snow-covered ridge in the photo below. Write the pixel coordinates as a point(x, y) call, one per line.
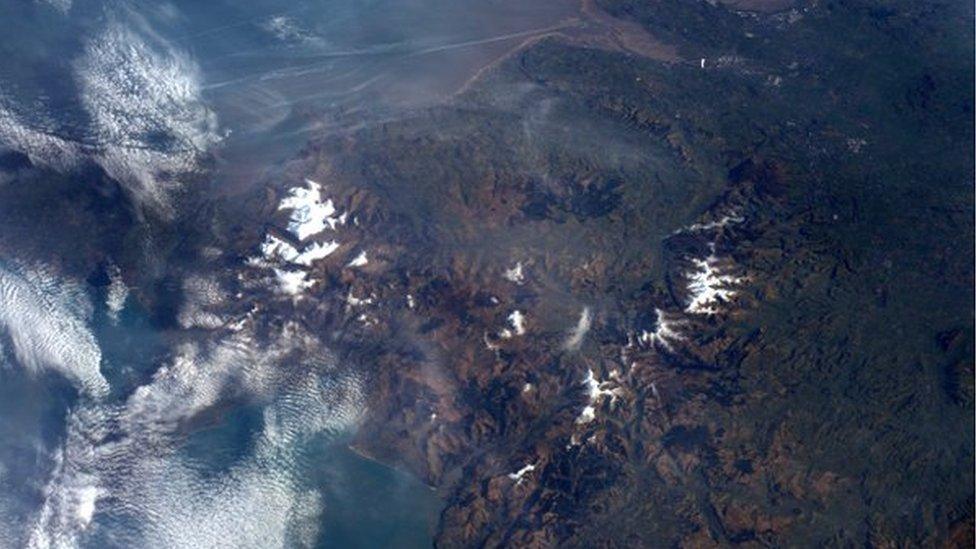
point(710, 284)
point(665, 331)
point(596, 390)
point(730, 218)
point(310, 215)
point(274, 247)
point(519, 475)
point(711, 280)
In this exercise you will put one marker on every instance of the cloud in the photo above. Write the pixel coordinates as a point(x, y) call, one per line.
point(45, 319)
point(575, 339)
point(148, 119)
point(147, 125)
point(124, 460)
point(63, 6)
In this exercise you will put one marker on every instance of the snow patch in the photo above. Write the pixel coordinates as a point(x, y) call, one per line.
point(517, 321)
point(292, 282)
point(309, 214)
point(360, 260)
point(515, 274)
point(519, 475)
point(587, 415)
point(354, 301)
point(709, 285)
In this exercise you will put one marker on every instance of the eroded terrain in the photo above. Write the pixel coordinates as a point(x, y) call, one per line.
point(717, 297)
point(668, 273)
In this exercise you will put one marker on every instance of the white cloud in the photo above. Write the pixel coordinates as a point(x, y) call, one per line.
point(117, 293)
point(575, 339)
point(148, 124)
point(46, 319)
point(148, 119)
point(124, 458)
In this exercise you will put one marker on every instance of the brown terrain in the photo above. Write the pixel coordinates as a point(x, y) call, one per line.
point(537, 247)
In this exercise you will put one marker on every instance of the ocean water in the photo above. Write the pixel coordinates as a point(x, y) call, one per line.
point(174, 453)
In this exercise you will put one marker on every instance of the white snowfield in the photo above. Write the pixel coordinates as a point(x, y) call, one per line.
point(309, 215)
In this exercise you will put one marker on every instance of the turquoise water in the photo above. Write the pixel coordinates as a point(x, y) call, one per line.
point(371, 505)
point(365, 504)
